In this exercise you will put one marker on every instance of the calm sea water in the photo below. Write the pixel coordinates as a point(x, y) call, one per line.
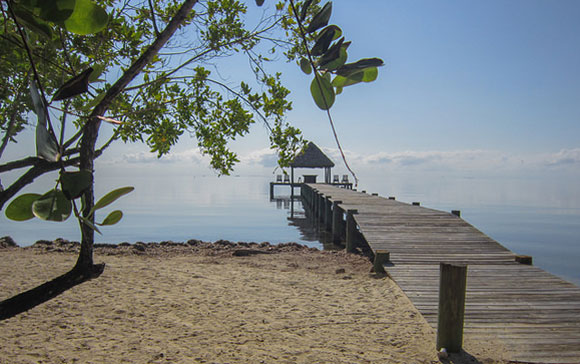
point(537, 218)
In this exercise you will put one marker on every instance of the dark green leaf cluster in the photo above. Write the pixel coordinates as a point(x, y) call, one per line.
point(326, 54)
point(59, 203)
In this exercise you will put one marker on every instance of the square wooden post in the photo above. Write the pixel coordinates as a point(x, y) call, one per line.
point(452, 287)
point(381, 258)
point(350, 230)
point(328, 213)
point(336, 219)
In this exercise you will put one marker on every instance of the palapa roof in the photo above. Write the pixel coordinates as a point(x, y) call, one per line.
point(311, 157)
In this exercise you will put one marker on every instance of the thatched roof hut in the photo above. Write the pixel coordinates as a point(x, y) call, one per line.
point(312, 157)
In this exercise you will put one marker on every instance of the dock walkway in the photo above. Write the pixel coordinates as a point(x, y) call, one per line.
point(535, 314)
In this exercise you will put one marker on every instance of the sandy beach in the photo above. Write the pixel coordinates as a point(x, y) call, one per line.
point(212, 303)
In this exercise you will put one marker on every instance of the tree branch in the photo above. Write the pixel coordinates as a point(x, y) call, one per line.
point(30, 161)
point(40, 167)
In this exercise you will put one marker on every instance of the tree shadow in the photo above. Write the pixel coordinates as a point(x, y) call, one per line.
point(47, 291)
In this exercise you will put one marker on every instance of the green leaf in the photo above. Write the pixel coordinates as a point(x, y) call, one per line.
point(321, 18)
point(20, 209)
point(46, 146)
point(87, 18)
point(366, 75)
point(75, 183)
point(113, 218)
point(323, 41)
point(98, 70)
point(111, 197)
point(33, 23)
point(342, 57)
point(305, 66)
point(92, 103)
point(89, 224)
point(335, 57)
point(52, 206)
point(305, 9)
point(351, 68)
point(75, 86)
point(56, 11)
point(322, 92)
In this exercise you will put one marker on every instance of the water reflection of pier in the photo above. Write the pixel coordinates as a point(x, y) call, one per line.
point(308, 226)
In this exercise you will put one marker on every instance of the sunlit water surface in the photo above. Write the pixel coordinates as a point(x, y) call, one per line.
point(537, 218)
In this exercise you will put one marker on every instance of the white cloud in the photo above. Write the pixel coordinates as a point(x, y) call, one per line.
point(476, 160)
point(426, 159)
point(189, 156)
point(265, 157)
point(565, 157)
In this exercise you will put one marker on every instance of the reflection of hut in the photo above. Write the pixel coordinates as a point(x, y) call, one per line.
point(312, 157)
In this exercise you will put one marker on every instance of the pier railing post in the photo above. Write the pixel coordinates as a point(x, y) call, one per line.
point(336, 220)
point(452, 287)
point(350, 230)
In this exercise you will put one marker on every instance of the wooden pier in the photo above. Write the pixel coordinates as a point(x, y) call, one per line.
point(532, 313)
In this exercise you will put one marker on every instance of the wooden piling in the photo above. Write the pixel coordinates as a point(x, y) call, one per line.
point(456, 213)
point(328, 213)
point(524, 259)
point(416, 203)
point(452, 287)
point(336, 220)
point(391, 197)
point(381, 258)
point(321, 207)
point(350, 230)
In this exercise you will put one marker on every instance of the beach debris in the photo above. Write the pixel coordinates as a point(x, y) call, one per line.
point(248, 252)
point(7, 242)
point(443, 354)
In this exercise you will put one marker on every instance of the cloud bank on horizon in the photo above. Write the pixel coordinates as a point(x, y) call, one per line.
point(484, 161)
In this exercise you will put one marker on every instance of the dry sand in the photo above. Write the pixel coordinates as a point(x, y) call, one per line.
point(201, 304)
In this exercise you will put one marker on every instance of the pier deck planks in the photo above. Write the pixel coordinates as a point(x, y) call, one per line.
point(535, 314)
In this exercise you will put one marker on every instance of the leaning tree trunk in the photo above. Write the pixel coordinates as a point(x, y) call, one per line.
point(85, 269)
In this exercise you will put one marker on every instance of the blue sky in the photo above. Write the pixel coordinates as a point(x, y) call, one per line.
point(478, 86)
point(483, 86)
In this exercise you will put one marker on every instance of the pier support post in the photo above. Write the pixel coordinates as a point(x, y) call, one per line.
point(381, 257)
point(456, 213)
point(321, 207)
point(328, 213)
point(336, 220)
point(452, 287)
point(524, 259)
point(416, 203)
point(350, 230)
point(315, 203)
